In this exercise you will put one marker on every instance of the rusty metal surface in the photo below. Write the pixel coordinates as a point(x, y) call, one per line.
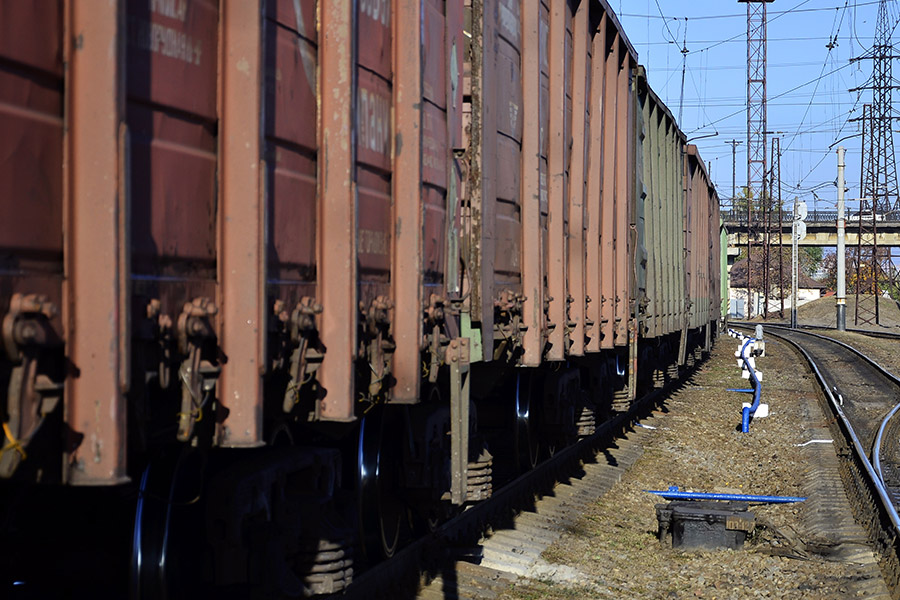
point(508, 120)
point(290, 110)
point(577, 178)
point(96, 219)
point(650, 163)
point(677, 291)
point(336, 246)
point(373, 125)
point(171, 113)
point(407, 181)
point(703, 233)
point(242, 221)
point(611, 110)
point(593, 203)
point(556, 157)
point(532, 251)
point(31, 152)
point(623, 216)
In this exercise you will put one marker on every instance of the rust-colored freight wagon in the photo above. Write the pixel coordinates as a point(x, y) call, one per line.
point(702, 218)
point(551, 82)
point(276, 254)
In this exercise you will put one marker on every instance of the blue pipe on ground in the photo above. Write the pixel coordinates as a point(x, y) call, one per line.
point(674, 494)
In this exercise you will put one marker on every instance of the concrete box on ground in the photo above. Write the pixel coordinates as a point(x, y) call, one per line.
point(704, 524)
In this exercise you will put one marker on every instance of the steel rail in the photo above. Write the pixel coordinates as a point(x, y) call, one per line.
point(876, 446)
point(888, 536)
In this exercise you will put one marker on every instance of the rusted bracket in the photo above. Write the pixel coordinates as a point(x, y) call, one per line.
point(162, 333)
point(457, 357)
point(32, 394)
point(588, 323)
point(435, 317)
point(305, 358)
point(570, 325)
point(375, 345)
point(508, 326)
point(198, 376)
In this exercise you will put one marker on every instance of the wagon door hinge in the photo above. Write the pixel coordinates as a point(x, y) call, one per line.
point(376, 346)
point(198, 375)
point(32, 394)
point(305, 353)
point(435, 340)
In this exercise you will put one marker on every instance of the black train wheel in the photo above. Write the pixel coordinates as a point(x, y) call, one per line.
point(382, 510)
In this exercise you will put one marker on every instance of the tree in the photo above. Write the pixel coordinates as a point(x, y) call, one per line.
point(865, 275)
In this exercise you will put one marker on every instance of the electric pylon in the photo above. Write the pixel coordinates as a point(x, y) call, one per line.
point(878, 190)
point(756, 128)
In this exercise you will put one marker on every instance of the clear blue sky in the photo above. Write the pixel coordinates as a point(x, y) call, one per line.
point(808, 83)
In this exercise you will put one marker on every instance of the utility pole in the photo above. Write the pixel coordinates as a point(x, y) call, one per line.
point(777, 167)
point(757, 40)
point(795, 238)
point(734, 144)
point(841, 249)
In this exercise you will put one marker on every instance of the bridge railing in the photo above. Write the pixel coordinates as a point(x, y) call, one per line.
point(737, 217)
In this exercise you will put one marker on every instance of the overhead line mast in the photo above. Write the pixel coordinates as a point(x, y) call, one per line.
point(756, 125)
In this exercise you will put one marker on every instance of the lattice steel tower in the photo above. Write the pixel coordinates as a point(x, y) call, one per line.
point(756, 127)
point(879, 179)
point(878, 189)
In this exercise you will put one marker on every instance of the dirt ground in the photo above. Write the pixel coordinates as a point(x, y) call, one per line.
point(613, 552)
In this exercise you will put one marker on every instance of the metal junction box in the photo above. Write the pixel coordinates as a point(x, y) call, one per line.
point(704, 524)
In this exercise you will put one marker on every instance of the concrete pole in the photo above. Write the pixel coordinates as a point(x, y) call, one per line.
point(841, 250)
point(794, 265)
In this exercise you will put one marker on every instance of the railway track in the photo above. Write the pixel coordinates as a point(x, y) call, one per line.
point(888, 335)
point(864, 399)
point(486, 547)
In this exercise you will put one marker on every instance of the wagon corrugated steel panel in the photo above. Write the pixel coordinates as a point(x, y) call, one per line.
point(593, 202)
point(678, 294)
point(580, 124)
point(650, 156)
point(556, 156)
point(532, 169)
point(32, 200)
point(624, 208)
point(373, 150)
point(664, 227)
point(611, 110)
point(290, 110)
point(31, 152)
point(171, 115)
point(699, 207)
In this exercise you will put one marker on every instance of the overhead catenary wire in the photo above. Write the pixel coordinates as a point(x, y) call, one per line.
point(818, 106)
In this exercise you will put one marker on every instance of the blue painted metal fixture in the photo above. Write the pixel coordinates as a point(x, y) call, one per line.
point(747, 412)
point(674, 494)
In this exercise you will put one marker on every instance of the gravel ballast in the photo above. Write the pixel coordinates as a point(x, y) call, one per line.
point(613, 551)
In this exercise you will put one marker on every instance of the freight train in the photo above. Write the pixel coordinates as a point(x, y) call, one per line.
point(285, 282)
